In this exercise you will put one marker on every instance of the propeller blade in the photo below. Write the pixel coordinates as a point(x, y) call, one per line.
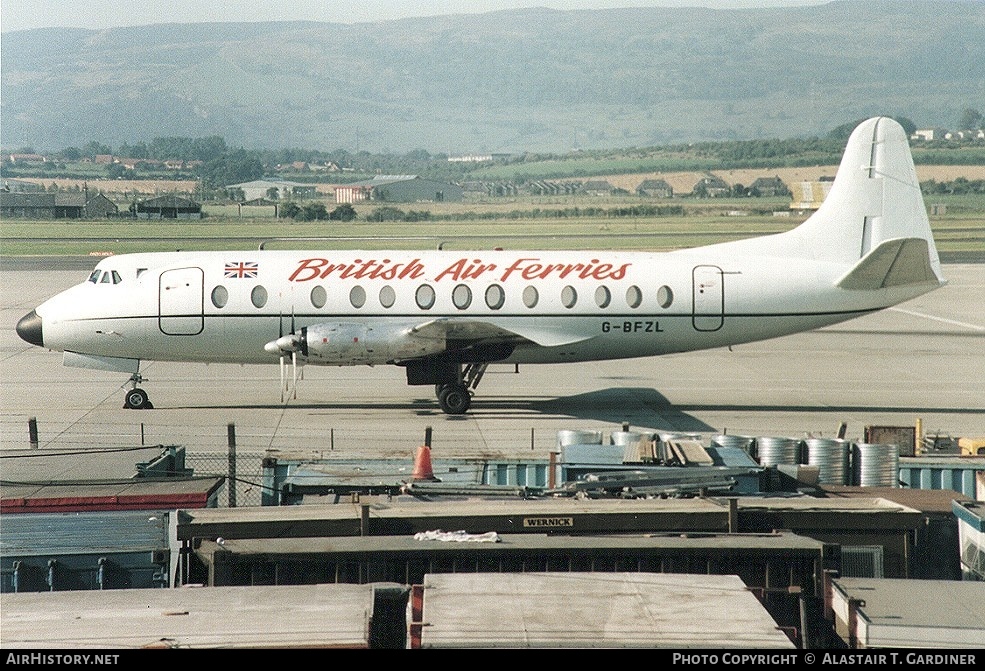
point(282, 378)
point(294, 367)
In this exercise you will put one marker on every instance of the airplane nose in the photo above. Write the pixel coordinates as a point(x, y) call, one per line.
point(29, 329)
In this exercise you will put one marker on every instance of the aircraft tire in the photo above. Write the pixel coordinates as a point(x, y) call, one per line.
point(136, 399)
point(455, 399)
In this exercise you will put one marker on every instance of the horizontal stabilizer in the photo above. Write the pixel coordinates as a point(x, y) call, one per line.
point(478, 330)
point(894, 263)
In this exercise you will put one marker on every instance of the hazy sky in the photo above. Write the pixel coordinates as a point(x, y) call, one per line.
point(27, 14)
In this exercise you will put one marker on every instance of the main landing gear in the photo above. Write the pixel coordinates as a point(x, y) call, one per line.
point(136, 398)
point(455, 398)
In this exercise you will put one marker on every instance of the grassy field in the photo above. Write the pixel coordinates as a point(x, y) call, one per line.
point(961, 231)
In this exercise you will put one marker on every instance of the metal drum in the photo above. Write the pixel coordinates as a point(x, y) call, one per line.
point(772, 451)
point(628, 437)
point(567, 437)
point(830, 455)
point(875, 465)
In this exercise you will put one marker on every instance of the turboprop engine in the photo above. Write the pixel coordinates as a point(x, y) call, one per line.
point(345, 343)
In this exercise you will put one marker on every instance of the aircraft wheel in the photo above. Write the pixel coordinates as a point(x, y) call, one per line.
point(137, 399)
point(455, 399)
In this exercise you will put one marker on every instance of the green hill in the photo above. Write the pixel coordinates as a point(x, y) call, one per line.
point(509, 81)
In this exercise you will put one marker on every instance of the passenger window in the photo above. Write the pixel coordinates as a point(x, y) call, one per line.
point(602, 297)
point(425, 297)
point(258, 296)
point(569, 296)
point(530, 296)
point(634, 296)
point(665, 296)
point(220, 296)
point(357, 296)
point(319, 297)
point(387, 296)
point(495, 296)
point(461, 296)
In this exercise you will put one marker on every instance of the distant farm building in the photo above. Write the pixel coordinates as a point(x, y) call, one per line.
point(553, 188)
point(597, 188)
point(476, 158)
point(928, 134)
point(275, 188)
point(399, 189)
point(769, 186)
point(61, 205)
point(28, 159)
point(479, 189)
point(100, 207)
point(711, 186)
point(655, 188)
point(168, 207)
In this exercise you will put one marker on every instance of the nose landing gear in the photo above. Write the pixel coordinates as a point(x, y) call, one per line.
point(136, 398)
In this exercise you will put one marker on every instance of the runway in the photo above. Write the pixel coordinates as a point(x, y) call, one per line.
point(924, 360)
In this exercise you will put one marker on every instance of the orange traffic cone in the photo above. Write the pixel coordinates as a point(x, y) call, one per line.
point(422, 464)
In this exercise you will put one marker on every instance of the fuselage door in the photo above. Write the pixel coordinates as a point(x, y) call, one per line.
point(708, 298)
point(181, 301)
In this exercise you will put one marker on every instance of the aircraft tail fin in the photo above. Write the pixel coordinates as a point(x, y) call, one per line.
point(874, 199)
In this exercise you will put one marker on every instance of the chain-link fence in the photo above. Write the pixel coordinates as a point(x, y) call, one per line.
point(243, 473)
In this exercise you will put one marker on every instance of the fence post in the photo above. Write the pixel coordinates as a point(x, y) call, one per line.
point(32, 432)
point(231, 433)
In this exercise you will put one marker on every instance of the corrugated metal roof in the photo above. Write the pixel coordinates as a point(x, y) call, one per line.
point(83, 533)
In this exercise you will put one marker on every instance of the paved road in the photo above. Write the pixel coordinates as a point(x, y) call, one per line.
point(923, 360)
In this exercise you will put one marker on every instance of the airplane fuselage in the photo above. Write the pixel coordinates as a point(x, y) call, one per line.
point(568, 306)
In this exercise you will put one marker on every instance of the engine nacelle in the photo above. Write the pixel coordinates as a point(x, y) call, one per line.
point(346, 343)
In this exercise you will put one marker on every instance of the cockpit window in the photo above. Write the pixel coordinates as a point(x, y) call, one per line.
point(105, 277)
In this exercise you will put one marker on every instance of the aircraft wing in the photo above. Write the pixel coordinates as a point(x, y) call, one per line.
point(477, 330)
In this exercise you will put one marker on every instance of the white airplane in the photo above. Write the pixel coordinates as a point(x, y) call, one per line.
point(444, 316)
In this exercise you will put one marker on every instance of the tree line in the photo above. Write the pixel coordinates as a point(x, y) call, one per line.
point(217, 164)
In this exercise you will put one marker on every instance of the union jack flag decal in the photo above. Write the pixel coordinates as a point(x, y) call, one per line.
point(242, 269)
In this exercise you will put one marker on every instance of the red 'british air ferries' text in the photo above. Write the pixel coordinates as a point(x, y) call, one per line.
point(526, 268)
